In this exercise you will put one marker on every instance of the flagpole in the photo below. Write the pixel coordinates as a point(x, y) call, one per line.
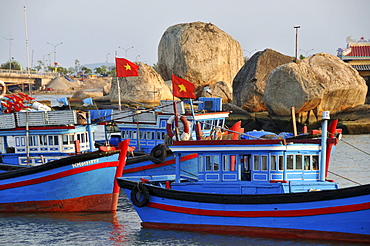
point(119, 95)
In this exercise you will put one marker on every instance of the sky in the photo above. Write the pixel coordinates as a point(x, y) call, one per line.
point(97, 31)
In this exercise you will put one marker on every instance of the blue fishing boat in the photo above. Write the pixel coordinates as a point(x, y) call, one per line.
point(37, 137)
point(78, 183)
point(266, 186)
point(152, 131)
point(148, 128)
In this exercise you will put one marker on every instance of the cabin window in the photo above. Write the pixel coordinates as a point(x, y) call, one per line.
point(207, 125)
point(226, 163)
point(298, 162)
point(201, 163)
point(289, 162)
point(315, 162)
point(273, 163)
point(151, 135)
point(281, 162)
point(163, 123)
point(256, 162)
point(71, 139)
point(307, 161)
point(208, 163)
point(264, 163)
point(43, 140)
point(142, 135)
point(133, 135)
point(212, 163)
point(53, 140)
point(33, 141)
point(65, 139)
point(246, 170)
point(160, 135)
point(229, 162)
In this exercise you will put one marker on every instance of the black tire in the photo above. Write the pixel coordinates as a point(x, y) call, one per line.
point(159, 153)
point(140, 195)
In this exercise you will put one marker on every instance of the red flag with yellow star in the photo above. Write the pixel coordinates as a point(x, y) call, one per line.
point(182, 88)
point(125, 68)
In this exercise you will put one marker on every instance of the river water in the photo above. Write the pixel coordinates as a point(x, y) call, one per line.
point(123, 227)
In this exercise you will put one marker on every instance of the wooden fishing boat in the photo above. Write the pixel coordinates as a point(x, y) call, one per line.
point(80, 183)
point(269, 187)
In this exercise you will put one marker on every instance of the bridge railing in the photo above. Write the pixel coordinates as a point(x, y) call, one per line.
point(25, 72)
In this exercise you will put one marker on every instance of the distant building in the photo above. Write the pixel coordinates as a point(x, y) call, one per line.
point(357, 53)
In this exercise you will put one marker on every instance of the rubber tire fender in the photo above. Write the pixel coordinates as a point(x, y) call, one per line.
point(159, 152)
point(140, 195)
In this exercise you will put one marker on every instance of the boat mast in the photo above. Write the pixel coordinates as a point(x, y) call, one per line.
point(28, 55)
point(324, 136)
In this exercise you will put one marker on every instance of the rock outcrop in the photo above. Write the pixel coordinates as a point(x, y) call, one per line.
point(218, 89)
point(250, 82)
point(321, 82)
point(200, 53)
point(147, 88)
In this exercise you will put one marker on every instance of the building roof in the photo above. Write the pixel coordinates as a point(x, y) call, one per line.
point(357, 51)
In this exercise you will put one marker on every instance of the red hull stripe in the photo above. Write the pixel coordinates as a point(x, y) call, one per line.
point(93, 203)
point(263, 232)
point(151, 166)
point(268, 213)
point(59, 175)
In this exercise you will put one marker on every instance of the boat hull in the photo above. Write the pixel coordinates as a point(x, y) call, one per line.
point(84, 183)
point(326, 215)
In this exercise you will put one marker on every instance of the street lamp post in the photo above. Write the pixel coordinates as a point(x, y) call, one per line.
point(55, 50)
point(10, 50)
point(296, 42)
point(126, 49)
point(307, 51)
point(107, 59)
point(250, 52)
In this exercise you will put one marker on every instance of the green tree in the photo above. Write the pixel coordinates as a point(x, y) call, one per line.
point(13, 65)
point(101, 70)
point(86, 70)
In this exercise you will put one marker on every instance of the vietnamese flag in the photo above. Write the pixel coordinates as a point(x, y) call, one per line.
point(125, 68)
point(182, 88)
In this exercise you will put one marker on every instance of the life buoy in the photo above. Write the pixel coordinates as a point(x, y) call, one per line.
point(140, 195)
point(159, 153)
point(3, 87)
point(185, 132)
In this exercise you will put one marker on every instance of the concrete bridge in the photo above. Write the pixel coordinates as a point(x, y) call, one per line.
point(21, 78)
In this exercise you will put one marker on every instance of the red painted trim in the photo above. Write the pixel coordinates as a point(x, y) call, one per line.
point(258, 214)
point(59, 175)
point(230, 142)
point(93, 203)
point(151, 166)
point(269, 232)
point(278, 181)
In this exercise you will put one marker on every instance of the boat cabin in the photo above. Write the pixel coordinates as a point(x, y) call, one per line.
point(256, 166)
point(50, 134)
point(147, 129)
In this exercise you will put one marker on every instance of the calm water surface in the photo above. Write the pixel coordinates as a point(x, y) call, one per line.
point(123, 227)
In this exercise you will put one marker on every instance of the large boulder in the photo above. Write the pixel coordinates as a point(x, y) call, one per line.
point(200, 53)
point(218, 89)
point(250, 82)
point(147, 88)
point(321, 82)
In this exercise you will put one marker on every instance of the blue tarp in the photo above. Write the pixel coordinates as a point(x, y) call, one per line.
point(101, 115)
point(68, 78)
